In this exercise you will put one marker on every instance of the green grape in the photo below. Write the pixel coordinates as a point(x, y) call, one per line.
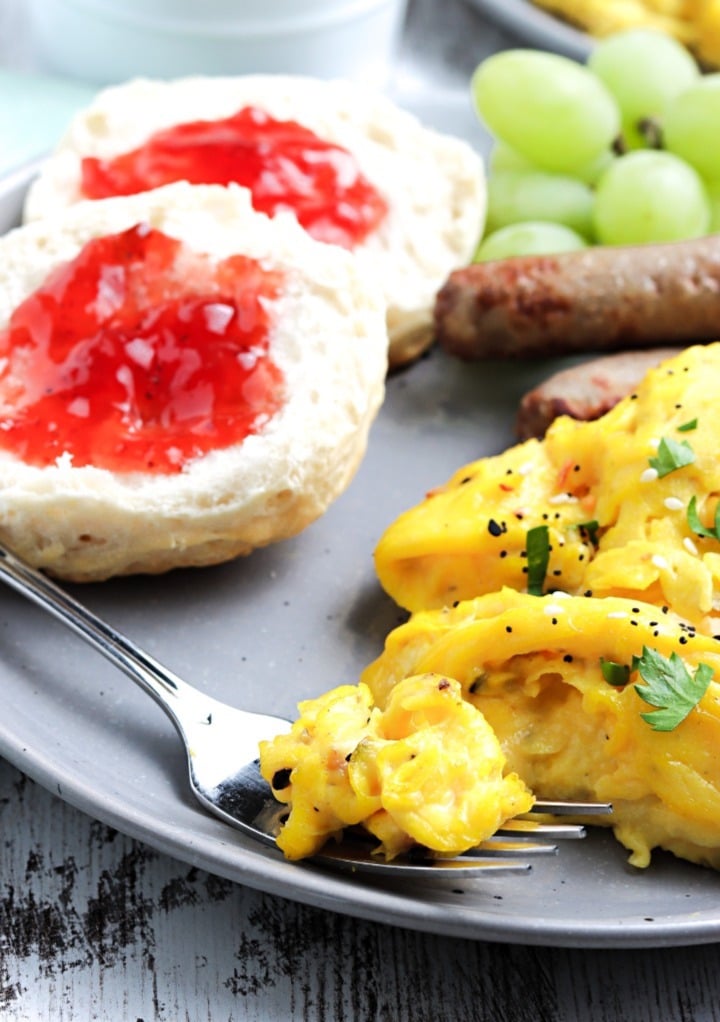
point(533, 238)
point(591, 173)
point(713, 194)
point(504, 157)
point(516, 195)
point(551, 110)
point(692, 125)
point(644, 70)
point(650, 196)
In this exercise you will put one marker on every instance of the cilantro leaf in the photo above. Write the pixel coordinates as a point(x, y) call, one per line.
point(693, 520)
point(669, 687)
point(614, 673)
point(688, 426)
point(671, 456)
point(589, 531)
point(538, 556)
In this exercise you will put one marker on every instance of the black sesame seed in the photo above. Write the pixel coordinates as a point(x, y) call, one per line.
point(281, 779)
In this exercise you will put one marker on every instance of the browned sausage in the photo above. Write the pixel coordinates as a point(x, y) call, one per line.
point(598, 299)
point(585, 391)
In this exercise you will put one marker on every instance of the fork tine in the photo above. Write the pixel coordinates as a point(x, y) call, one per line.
point(499, 845)
point(461, 866)
point(505, 852)
point(528, 829)
point(564, 808)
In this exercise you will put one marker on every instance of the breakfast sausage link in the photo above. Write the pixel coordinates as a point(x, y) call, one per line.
point(585, 391)
point(597, 299)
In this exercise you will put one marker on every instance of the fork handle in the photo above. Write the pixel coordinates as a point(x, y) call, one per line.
point(168, 690)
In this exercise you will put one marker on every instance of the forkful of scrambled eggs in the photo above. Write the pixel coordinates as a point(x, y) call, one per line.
point(563, 643)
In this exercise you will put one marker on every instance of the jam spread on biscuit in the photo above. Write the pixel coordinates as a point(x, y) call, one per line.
point(285, 166)
point(139, 355)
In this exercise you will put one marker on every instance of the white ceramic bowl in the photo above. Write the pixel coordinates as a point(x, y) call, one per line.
point(107, 41)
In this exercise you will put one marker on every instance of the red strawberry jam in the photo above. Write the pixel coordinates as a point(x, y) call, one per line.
point(285, 166)
point(139, 355)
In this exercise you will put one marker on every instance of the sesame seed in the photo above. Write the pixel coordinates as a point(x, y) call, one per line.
point(659, 561)
point(526, 468)
point(673, 504)
point(649, 475)
point(617, 615)
point(690, 546)
point(563, 498)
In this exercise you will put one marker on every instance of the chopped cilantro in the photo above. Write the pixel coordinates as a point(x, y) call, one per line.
point(614, 673)
point(671, 456)
point(538, 556)
point(669, 687)
point(687, 427)
point(589, 530)
point(697, 526)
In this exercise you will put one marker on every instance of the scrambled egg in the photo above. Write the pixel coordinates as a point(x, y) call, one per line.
point(533, 667)
point(694, 22)
point(425, 769)
point(616, 525)
point(568, 593)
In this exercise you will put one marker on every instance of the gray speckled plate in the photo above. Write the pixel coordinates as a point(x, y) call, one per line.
point(533, 26)
point(286, 623)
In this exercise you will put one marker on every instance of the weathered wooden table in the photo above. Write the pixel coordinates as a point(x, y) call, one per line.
point(96, 925)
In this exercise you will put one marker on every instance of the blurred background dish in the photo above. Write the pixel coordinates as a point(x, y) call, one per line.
point(536, 27)
point(107, 41)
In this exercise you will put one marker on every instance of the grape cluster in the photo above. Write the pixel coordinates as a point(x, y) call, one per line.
point(620, 151)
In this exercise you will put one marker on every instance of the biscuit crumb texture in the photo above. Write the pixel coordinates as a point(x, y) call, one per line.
point(434, 183)
point(329, 340)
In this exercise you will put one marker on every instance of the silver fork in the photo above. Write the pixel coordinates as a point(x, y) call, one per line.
point(222, 749)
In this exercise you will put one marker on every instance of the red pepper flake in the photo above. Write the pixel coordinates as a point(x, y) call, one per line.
point(564, 473)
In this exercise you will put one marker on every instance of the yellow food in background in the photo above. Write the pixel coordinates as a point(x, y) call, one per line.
point(425, 769)
point(693, 22)
point(532, 665)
